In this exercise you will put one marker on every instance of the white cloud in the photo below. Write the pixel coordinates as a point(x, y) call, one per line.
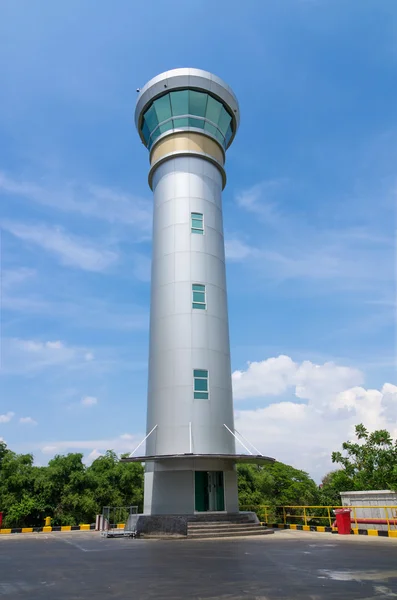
point(304, 434)
point(258, 200)
point(295, 248)
point(21, 356)
point(92, 456)
point(120, 444)
point(7, 417)
point(275, 376)
point(79, 308)
point(237, 250)
point(15, 277)
point(91, 201)
point(27, 421)
point(49, 449)
point(89, 401)
point(72, 251)
point(140, 266)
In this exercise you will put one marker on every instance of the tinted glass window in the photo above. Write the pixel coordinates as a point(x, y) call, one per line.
point(151, 118)
point(187, 102)
point(197, 103)
point(200, 384)
point(163, 108)
point(213, 111)
point(180, 102)
point(183, 122)
point(196, 123)
point(224, 120)
point(200, 373)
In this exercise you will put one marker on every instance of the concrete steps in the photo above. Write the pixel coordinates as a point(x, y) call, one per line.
point(227, 534)
point(220, 527)
point(217, 529)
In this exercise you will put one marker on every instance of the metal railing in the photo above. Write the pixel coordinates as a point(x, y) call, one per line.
point(318, 515)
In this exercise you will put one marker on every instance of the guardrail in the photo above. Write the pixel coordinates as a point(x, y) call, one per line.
point(310, 514)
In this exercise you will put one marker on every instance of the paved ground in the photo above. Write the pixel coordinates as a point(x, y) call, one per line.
point(288, 565)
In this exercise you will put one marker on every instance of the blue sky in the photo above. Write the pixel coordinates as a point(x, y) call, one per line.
point(309, 213)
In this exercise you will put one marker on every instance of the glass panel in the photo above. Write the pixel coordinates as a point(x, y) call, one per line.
point(199, 123)
point(181, 122)
point(200, 231)
point(165, 127)
point(155, 135)
point(199, 297)
point(197, 103)
point(145, 130)
point(180, 102)
point(199, 288)
point(228, 134)
point(195, 305)
point(210, 128)
point(200, 373)
point(151, 118)
point(197, 224)
point(201, 395)
point(220, 138)
point(201, 385)
point(224, 120)
point(197, 216)
point(163, 108)
point(213, 111)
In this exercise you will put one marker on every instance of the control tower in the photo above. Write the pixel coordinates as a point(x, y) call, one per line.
point(187, 119)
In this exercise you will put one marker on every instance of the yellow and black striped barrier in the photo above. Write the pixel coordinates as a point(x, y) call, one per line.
point(50, 529)
point(47, 529)
point(323, 528)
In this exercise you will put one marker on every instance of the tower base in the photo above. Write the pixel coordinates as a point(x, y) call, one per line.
point(179, 485)
point(190, 486)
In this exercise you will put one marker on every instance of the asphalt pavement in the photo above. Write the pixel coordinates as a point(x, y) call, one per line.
point(289, 565)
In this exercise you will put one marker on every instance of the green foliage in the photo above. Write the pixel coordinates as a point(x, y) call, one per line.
point(66, 489)
point(72, 493)
point(369, 464)
point(275, 485)
point(332, 484)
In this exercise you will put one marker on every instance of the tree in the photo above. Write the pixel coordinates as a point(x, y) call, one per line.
point(275, 484)
point(333, 483)
point(66, 489)
point(370, 463)
point(17, 498)
point(116, 483)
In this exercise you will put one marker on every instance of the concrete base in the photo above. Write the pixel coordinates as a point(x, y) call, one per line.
point(170, 485)
point(176, 526)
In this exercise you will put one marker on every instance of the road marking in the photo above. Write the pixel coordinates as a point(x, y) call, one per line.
point(359, 575)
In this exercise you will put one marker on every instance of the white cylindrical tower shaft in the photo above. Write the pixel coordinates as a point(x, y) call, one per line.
point(188, 336)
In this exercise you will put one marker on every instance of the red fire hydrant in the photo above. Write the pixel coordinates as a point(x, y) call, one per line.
point(343, 522)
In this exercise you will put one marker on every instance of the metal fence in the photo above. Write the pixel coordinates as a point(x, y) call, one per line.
point(115, 517)
point(321, 515)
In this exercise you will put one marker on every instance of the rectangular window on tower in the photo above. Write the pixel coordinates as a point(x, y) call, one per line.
point(197, 223)
point(198, 296)
point(200, 384)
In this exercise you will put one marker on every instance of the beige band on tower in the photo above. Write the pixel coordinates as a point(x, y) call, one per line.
point(185, 143)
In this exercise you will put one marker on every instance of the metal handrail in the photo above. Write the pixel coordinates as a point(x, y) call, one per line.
point(306, 516)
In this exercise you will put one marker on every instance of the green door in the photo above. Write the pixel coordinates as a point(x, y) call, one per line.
point(201, 490)
point(209, 491)
point(220, 495)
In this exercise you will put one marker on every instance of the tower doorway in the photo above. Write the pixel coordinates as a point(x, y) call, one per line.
point(209, 491)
